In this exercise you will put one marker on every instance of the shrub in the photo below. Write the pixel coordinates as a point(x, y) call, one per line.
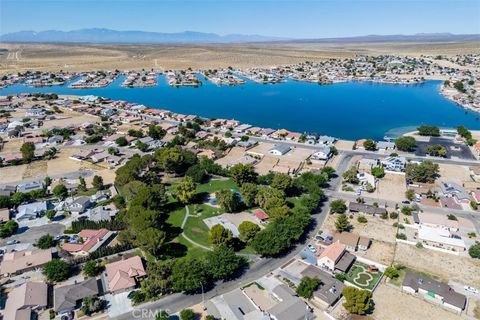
point(391, 272)
point(401, 236)
point(362, 219)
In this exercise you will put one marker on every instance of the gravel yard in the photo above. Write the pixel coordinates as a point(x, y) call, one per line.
point(391, 304)
point(391, 187)
point(444, 265)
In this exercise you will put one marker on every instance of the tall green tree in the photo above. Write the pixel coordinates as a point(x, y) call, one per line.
point(243, 173)
point(406, 143)
point(228, 200)
point(248, 230)
point(184, 191)
point(223, 262)
point(219, 235)
point(342, 223)
point(189, 274)
point(357, 301)
point(28, 151)
point(307, 287)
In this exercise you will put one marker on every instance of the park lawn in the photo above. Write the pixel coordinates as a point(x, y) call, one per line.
point(295, 201)
point(216, 185)
point(175, 217)
point(364, 280)
point(196, 230)
point(193, 251)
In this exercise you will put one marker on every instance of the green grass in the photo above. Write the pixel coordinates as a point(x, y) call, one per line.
point(195, 228)
point(362, 281)
point(176, 217)
point(216, 185)
point(193, 251)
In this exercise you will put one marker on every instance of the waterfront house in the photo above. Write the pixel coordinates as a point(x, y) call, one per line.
point(430, 289)
point(385, 146)
point(266, 132)
point(123, 275)
point(326, 140)
point(68, 298)
point(24, 301)
point(279, 149)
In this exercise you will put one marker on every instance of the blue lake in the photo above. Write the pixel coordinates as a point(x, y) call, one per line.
point(349, 110)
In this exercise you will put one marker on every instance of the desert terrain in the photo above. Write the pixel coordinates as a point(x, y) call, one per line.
point(87, 57)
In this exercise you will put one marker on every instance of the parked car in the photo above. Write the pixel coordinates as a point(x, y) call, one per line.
point(406, 202)
point(319, 238)
point(471, 289)
point(9, 242)
point(312, 248)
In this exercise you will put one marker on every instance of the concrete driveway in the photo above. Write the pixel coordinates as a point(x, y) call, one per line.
point(118, 304)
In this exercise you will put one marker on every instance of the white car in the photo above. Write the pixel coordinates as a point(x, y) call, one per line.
point(471, 289)
point(312, 248)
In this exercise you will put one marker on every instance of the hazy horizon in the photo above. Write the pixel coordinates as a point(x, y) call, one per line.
point(285, 19)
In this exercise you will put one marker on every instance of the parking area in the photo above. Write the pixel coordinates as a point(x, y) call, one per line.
point(454, 150)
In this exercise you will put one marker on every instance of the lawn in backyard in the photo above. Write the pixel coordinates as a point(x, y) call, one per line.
point(360, 276)
point(401, 275)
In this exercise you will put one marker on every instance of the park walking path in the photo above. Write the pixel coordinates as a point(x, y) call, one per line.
point(187, 214)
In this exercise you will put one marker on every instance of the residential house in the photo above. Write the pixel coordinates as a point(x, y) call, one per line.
point(242, 128)
point(69, 297)
point(453, 190)
point(99, 157)
point(384, 146)
point(352, 241)
point(280, 149)
point(260, 214)
point(326, 140)
point(430, 289)
point(330, 289)
point(31, 210)
point(335, 257)
point(30, 186)
point(7, 190)
point(79, 205)
point(395, 164)
point(355, 207)
point(26, 300)
point(440, 237)
point(22, 261)
point(91, 241)
point(102, 213)
point(366, 178)
point(123, 275)
point(322, 154)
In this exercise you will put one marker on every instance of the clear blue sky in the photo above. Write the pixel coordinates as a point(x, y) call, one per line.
point(293, 19)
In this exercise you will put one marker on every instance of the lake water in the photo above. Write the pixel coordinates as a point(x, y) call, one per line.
point(349, 110)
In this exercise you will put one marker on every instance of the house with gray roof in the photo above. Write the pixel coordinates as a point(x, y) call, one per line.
point(31, 210)
point(280, 149)
point(355, 207)
point(434, 291)
point(79, 204)
point(30, 186)
point(69, 297)
point(453, 190)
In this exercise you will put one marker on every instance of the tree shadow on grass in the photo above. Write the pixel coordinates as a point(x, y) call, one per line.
point(173, 250)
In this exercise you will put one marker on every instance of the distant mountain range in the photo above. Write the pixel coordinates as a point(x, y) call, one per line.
point(97, 35)
point(135, 37)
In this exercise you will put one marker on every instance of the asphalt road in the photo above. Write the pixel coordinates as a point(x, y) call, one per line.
point(31, 235)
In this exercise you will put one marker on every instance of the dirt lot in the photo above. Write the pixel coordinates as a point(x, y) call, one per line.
point(375, 228)
point(234, 154)
point(391, 187)
point(391, 304)
point(454, 173)
point(444, 265)
point(266, 165)
point(12, 145)
point(380, 251)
